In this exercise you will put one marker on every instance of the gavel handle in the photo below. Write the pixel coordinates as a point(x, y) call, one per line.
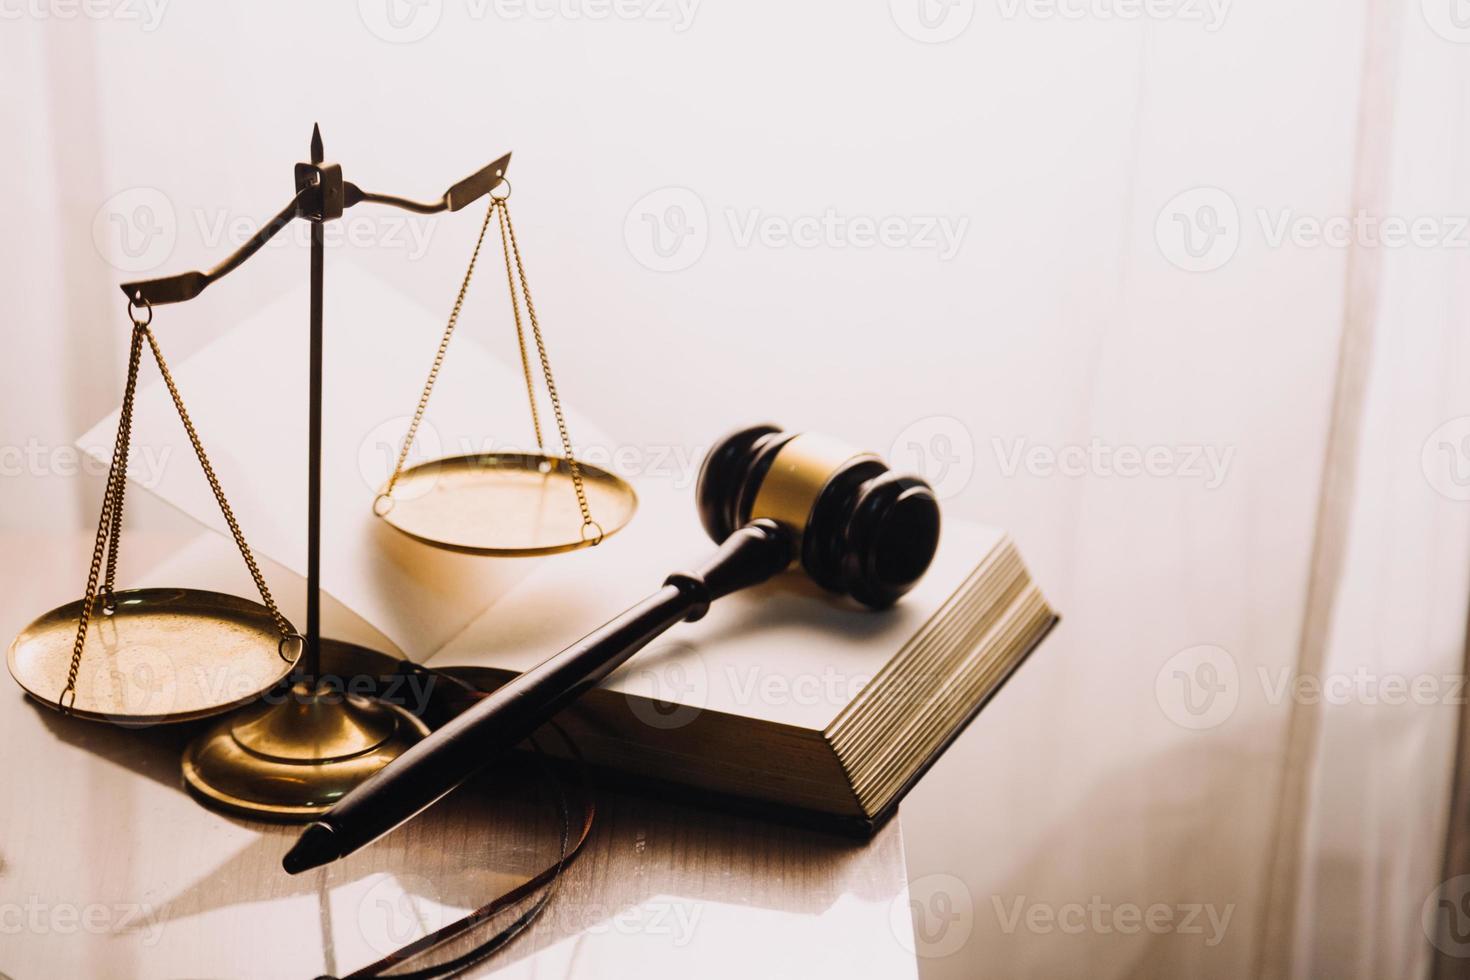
point(748, 557)
point(508, 714)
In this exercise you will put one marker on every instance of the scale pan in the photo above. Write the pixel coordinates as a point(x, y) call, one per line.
point(165, 655)
point(505, 504)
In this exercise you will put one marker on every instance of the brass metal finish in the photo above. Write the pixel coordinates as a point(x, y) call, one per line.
point(506, 504)
point(796, 478)
point(422, 406)
point(573, 467)
point(309, 203)
point(515, 311)
point(322, 196)
point(141, 677)
point(219, 494)
point(293, 756)
point(164, 655)
point(456, 503)
point(156, 655)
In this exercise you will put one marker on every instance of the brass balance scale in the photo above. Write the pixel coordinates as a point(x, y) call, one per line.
point(290, 745)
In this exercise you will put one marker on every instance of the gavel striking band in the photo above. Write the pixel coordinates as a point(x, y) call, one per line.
point(768, 498)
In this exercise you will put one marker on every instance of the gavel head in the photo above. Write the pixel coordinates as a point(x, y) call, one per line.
point(862, 529)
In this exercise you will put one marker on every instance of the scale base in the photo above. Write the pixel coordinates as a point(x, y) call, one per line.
point(292, 760)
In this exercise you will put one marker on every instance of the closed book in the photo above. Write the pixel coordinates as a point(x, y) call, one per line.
point(783, 696)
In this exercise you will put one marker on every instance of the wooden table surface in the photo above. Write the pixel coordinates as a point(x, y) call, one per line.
point(108, 868)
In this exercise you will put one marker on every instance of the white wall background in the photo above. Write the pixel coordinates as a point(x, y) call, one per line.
point(1060, 144)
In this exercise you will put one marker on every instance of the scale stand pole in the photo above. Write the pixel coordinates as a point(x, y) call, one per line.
point(309, 666)
point(293, 758)
point(321, 196)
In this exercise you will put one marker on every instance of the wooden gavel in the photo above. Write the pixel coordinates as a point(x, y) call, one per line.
point(769, 498)
point(856, 527)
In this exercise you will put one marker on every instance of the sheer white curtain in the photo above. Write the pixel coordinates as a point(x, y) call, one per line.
point(1364, 815)
point(1299, 527)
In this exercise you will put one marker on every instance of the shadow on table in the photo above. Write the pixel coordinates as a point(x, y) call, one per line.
point(500, 828)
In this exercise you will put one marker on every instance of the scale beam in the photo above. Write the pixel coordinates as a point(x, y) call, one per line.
point(294, 759)
point(308, 203)
point(321, 196)
point(461, 195)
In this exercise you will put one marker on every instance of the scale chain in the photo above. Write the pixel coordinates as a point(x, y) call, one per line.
point(515, 309)
point(418, 414)
point(561, 422)
point(118, 475)
point(109, 523)
point(500, 209)
point(282, 625)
